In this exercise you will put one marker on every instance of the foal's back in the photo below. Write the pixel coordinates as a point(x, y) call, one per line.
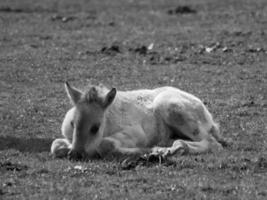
point(132, 109)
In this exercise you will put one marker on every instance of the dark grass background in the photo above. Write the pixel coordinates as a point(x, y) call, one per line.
point(213, 49)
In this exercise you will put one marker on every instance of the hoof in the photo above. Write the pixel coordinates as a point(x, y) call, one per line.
point(61, 153)
point(131, 162)
point(154, 158)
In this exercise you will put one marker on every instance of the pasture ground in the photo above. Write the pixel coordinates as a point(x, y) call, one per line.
point(216, 50)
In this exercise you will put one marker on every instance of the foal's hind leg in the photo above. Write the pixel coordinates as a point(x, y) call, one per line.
point(184, 147)
point(61, 146)
point(206, 142)
point(191, 119)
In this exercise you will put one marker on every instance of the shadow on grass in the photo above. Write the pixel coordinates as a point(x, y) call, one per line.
point(25, 144)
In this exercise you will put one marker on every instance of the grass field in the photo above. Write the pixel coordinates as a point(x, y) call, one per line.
point(214, 49)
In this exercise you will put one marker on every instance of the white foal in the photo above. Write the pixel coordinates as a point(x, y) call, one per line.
point(161, 122)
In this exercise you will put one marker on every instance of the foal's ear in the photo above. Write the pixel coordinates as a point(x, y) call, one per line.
point(73, 93)
point(109, 97)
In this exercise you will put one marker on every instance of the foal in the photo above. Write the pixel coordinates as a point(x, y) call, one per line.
point(162, 122)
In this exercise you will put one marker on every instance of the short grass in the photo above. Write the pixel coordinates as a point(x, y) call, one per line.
point(217, 53)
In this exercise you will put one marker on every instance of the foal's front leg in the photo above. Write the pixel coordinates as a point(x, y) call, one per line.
point(128, 141)
point(60, 148)
point(115, 146)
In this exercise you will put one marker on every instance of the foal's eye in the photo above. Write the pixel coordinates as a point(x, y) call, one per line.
point(95, 128)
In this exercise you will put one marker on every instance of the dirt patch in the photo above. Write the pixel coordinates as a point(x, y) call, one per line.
point(112, 50)
point(8, 166)
point(136, 162)
point(182, 10)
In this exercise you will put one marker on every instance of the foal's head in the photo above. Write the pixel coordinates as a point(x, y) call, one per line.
point(89, 118)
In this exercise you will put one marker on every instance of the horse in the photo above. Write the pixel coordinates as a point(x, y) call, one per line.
point(159, 122)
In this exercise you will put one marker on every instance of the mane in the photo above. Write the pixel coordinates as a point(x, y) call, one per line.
point(95, 94)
